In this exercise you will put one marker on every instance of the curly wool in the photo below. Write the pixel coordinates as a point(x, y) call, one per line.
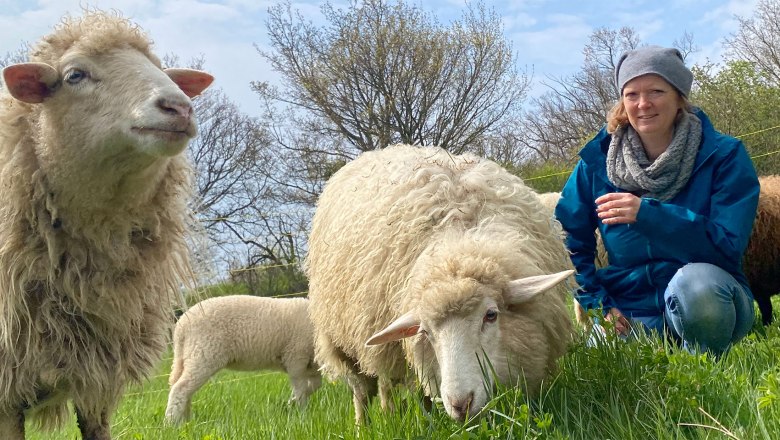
point(393, 219)
point(86, 302)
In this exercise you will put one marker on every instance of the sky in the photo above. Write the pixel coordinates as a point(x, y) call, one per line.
point(547, 35)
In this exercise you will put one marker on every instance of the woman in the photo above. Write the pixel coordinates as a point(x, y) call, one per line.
point(674, 201)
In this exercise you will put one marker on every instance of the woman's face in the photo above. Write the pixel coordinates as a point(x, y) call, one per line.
point(651, 105)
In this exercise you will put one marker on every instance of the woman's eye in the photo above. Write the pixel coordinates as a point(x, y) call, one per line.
point(490, 316)
point(75, 76)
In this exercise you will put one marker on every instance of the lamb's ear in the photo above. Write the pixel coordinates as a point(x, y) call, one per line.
point(30, 82)
point(407, 325)
point(523, 289)
point(191, 82)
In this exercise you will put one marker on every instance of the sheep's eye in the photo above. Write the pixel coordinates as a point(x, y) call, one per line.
point(75, 76)
point(490, 316)
point(422, 332)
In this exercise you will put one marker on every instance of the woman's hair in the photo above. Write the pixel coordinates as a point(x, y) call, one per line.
point(617, 116)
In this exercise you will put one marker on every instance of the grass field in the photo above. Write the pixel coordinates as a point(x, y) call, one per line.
point(640, 390)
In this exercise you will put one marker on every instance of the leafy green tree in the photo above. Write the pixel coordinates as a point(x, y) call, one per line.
point(742, 100)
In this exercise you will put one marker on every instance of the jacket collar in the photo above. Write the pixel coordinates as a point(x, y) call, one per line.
point(594, 153)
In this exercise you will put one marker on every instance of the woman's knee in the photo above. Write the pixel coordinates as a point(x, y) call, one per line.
point(705, 303)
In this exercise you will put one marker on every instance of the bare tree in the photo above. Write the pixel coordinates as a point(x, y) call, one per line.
point(17, 56)
point(241, 184)
point(575, 107)
point(758, 39)
point(382, 73)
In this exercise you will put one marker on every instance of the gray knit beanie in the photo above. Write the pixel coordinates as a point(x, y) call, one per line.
point(665, 62)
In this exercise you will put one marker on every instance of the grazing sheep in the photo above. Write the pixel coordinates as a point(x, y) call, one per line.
point(762, 256)
point(451, 252)
point(93, 210)
point(241, 332)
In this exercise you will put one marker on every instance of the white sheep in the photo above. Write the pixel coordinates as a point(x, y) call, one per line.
point(550, 201)
point(93, 214)
point(241, 332)
point(452, 252)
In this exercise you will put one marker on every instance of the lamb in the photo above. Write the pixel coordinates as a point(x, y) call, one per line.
point(93, 214)
point(451, 254)
point(762, 256)
point(241, 332)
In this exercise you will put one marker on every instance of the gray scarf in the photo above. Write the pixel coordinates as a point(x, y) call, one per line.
point(629, 168)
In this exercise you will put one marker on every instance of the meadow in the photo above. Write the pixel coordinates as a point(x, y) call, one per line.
point(646, 389)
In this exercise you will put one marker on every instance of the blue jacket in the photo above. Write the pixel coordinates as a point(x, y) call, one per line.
point(709, 220)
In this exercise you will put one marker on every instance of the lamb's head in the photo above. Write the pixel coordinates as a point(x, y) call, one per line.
point(464, 336)
point(102, 97)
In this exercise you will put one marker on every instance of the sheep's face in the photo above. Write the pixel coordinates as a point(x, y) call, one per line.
point(117, 110)
point(459, 349)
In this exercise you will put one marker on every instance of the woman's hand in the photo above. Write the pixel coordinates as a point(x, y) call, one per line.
point(617, 208)
point(622, 326)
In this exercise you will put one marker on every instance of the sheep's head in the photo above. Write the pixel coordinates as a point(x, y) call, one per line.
point(113, 100)
point(104, 105)
point(462, 339)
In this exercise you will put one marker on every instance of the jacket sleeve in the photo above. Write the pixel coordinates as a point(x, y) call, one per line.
point(718, 237)
point(576, 210)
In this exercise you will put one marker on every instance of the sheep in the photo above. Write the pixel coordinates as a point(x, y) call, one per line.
point(241, 332)
point(761, 262)
point(449, 253)
point(550, 200)
point(93, 211)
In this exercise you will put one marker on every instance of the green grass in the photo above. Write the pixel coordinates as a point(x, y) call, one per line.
point(639, 390)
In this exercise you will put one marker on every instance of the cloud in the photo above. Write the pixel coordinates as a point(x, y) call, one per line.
point(548, 36)
point(556, 44)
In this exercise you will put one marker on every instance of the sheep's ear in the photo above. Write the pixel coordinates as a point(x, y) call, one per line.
point(403, 327)
point(191, 82)
point(523, 289)
point(30, 82)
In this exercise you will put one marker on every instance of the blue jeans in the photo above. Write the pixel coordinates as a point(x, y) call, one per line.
point(706, 308)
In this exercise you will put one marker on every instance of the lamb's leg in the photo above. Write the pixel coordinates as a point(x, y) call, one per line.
point(93, 426)
point(304, 379)
point(12, 425)
point(304, 384)
point(180, 397)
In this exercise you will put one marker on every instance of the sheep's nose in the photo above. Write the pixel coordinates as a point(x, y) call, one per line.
point(174, 106)
point(460, 405)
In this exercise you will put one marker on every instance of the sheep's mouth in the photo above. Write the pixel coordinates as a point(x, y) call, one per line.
point(165, 133)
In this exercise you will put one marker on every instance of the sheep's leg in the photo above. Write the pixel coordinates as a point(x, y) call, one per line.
point(180, 397)
point(765, 306)
point(12, 425)
point(385, 399)
point(93, 427)
point(363, 387)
